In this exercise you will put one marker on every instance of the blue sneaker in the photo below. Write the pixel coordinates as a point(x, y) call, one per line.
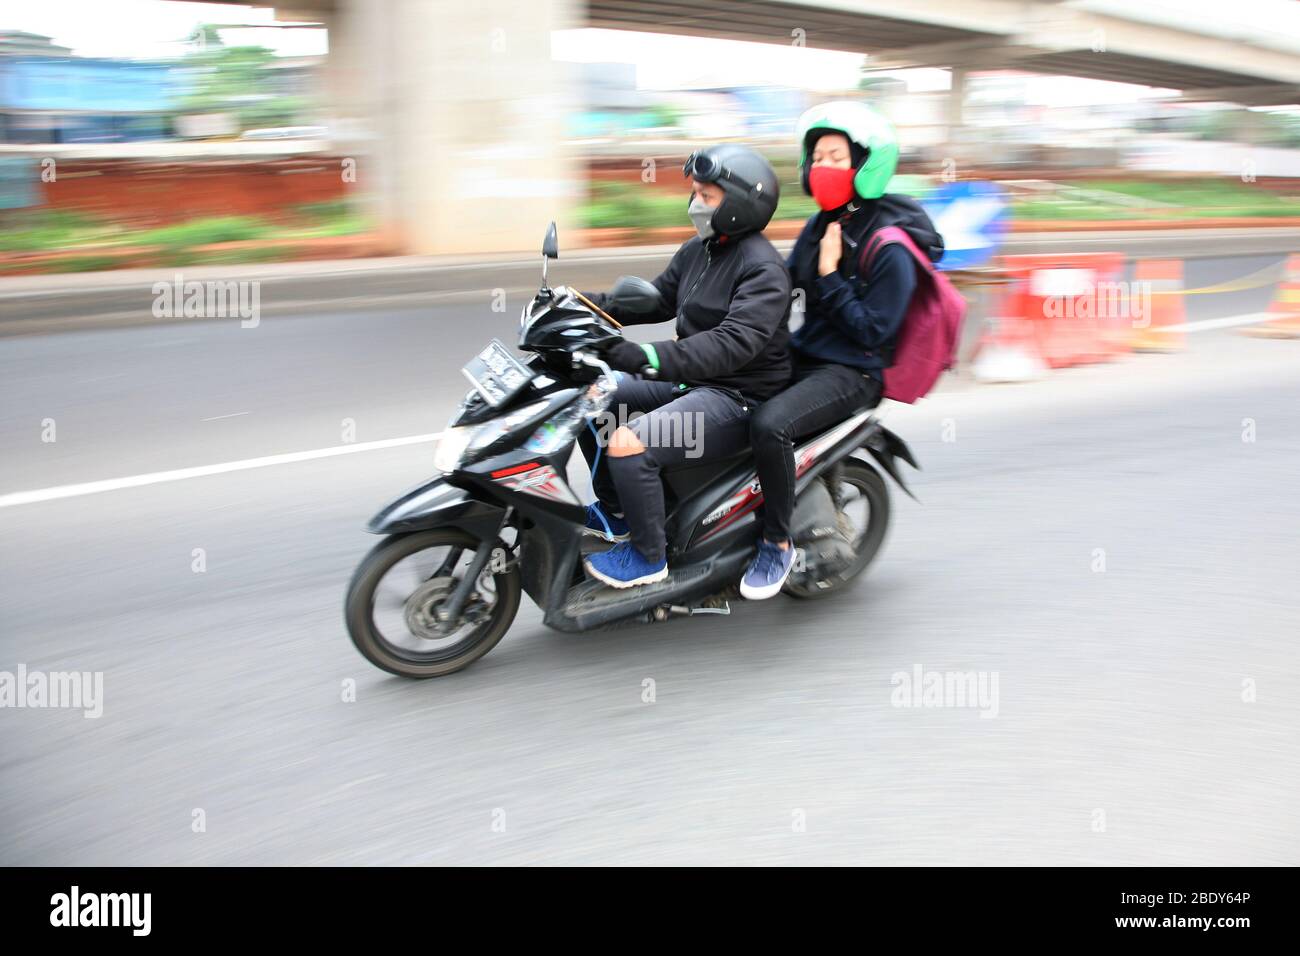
point(768, 571)
point(623, 567)
point(605, 525)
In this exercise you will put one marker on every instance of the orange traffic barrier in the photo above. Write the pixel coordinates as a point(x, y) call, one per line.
point(1153, 332)
point(1063, 309)
point(1008, 351)
point(1286, 307)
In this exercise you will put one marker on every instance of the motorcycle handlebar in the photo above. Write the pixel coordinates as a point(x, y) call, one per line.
point(583, 358)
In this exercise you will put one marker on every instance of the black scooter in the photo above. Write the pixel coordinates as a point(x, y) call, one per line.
point(444, 585)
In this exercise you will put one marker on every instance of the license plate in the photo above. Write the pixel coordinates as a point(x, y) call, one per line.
point(496, 374)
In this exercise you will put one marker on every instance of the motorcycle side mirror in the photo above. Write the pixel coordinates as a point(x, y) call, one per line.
point(550, 250)
point(634, 295)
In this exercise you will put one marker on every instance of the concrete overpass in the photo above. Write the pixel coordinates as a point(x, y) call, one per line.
point(455, 108)
point(1098, 39)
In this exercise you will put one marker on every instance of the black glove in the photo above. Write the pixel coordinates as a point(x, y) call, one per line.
point(626, 357)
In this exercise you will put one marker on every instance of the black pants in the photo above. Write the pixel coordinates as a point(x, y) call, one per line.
point(678, 426)
point(821, 396)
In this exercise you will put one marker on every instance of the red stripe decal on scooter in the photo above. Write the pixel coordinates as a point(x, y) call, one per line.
point(733, 517)
point(514, 470)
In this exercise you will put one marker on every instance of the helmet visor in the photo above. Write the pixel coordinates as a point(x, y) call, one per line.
point(700, 165)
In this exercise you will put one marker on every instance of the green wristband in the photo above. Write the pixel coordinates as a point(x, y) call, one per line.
point(651, 355)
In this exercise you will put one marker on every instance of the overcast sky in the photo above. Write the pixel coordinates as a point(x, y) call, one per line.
point(157, 28)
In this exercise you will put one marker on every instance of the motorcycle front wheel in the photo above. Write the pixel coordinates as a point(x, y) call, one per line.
point(394, 596)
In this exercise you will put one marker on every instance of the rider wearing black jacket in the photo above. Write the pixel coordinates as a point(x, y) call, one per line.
point(730, 293)
point(730, 296)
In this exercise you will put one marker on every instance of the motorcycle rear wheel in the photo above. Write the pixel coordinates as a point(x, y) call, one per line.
point(866, 482)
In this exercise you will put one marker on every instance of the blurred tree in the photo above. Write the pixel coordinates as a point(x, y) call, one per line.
point(1282, 129)
point(1239, 125)
point(239, 80)
point(878, 87)
point(205, 36)
point(661, 114)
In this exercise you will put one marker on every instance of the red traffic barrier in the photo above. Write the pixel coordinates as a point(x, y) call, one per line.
point(1057, 310)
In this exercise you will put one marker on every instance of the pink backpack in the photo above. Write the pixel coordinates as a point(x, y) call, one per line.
point(927, 340)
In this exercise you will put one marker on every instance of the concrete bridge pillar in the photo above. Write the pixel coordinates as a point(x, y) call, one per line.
point(454, 114)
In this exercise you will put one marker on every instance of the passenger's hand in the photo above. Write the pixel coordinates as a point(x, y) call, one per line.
point(831, 247)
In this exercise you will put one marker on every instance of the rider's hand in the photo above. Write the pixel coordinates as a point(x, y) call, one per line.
point(828, 259)
point(626, 357)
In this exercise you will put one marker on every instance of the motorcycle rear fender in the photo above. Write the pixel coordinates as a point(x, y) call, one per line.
point(868, 433)
point(886, 448)
point(438, 504)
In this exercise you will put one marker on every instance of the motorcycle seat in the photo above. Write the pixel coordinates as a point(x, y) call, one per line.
point(717, 465)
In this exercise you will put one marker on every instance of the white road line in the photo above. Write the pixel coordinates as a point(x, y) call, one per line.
point(216, 418)
point(181, 474)
point(1228, 321)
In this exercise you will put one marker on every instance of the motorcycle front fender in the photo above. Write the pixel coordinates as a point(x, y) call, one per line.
point(438, 504)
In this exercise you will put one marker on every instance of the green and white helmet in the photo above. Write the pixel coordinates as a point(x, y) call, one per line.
point(862, 125)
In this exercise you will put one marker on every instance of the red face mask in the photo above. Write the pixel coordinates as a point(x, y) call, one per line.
point(831, 187)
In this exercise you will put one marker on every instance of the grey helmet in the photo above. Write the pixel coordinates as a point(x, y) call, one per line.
point(748, 182)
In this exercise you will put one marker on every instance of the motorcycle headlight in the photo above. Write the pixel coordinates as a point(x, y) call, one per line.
point(451, 446)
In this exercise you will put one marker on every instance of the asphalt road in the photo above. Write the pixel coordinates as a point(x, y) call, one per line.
point(1119, 733)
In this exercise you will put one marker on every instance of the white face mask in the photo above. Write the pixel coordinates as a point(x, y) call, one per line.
point(701, 214)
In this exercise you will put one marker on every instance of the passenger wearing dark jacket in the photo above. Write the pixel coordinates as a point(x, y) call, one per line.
point(730, 294)
point(851, 321)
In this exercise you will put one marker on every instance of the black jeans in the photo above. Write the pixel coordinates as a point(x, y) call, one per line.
point(678, 426)
point(821, 395)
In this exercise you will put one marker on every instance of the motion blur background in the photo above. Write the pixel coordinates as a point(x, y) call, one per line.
point(1113, 533)
point(179, 128)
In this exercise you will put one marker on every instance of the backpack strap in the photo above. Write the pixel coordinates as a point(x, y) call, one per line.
point(879, 239)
